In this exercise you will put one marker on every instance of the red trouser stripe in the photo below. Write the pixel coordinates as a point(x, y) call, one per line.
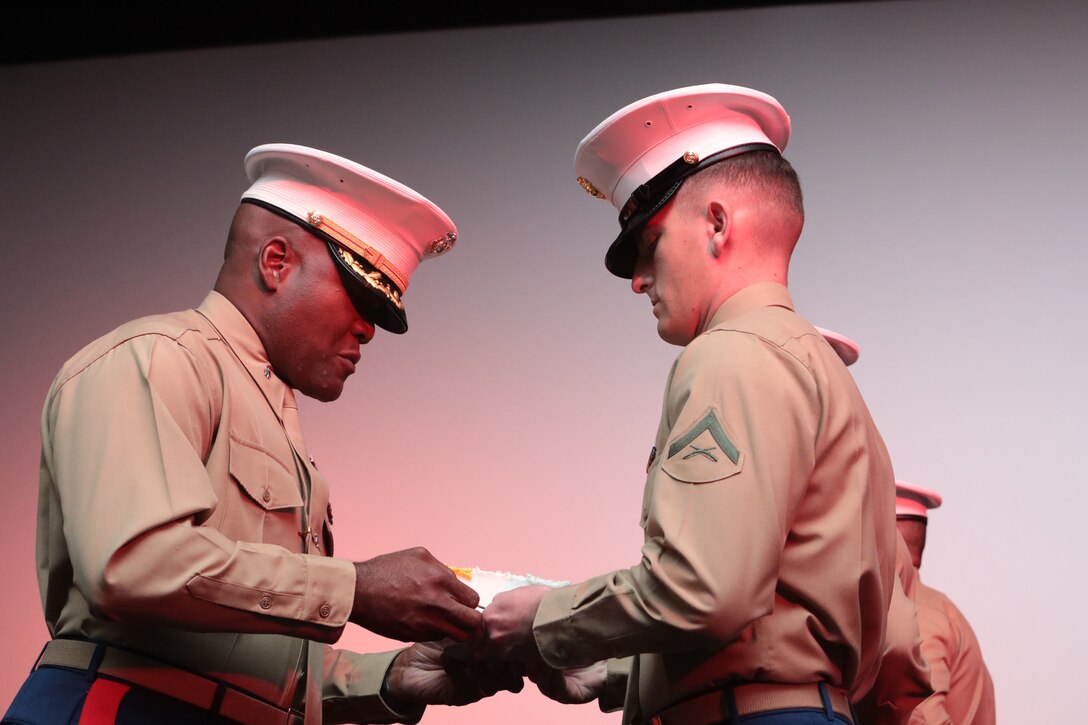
point(103, 700)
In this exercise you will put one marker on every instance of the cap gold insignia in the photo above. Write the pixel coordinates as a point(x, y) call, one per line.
point(589, 187)
point(371, 279)
point(690, 157)
point(367, 252)
point(442, 244)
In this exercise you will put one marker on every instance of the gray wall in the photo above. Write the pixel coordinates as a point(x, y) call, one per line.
point(941, 152)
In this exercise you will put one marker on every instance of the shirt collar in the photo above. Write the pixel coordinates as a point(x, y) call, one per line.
point(761, 294)
point(240, 336)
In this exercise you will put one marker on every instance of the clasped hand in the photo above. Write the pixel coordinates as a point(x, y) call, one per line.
point(488, 661)
point(508, 621)
point(460, 655)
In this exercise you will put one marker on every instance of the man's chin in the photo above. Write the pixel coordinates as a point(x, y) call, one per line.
point(323, 393)
point(673, 336)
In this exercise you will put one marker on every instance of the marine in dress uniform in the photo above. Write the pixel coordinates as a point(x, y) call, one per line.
point(184, 542)
point(963, 690)
point(903, 680)
point(765, 577)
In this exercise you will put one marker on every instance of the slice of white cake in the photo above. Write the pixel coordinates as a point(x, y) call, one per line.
point(489, 583)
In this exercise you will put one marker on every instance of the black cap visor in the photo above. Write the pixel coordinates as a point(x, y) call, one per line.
point(374, 295)
point(648, 199)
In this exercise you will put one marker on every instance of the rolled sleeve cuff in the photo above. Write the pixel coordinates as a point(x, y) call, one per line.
point(365, 702)
point(615, 684)
point(330, 591)
point(552, 632)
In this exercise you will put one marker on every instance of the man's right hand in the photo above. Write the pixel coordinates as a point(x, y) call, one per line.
point(411, 596)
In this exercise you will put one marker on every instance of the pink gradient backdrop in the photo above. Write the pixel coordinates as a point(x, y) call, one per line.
point(943, 158)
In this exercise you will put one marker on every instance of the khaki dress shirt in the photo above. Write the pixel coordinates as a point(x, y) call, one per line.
point(963, 690)
point(769, 550)
point(179, 515)
point(904, 678)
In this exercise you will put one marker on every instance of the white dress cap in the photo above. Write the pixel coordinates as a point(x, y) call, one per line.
point(666, 137)
point(847, 350)
point(377, 228)
point(913, 500)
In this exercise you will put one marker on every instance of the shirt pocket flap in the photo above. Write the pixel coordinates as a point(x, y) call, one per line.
point(263, 477)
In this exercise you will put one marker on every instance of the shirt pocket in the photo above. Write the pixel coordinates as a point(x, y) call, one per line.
point(270, 502)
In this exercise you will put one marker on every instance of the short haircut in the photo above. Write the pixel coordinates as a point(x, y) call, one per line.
point(764, 172)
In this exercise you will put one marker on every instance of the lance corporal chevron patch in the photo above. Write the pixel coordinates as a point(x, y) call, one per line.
point(703, 453)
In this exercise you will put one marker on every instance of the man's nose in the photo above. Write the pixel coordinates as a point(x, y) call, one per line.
point(363, 331)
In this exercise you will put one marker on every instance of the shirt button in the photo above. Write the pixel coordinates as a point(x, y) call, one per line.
point(324, 611)
point(266, 496)
point(265, 602)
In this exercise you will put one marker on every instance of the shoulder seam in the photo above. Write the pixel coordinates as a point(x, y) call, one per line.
point(767, 341)
point(175, 338)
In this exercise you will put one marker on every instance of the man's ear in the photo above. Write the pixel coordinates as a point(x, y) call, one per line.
point(719, 225)
point(273, 262)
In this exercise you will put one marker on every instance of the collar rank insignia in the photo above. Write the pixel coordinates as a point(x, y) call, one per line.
point(652, 458)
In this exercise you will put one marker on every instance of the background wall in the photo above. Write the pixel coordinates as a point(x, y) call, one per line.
point(941, 149)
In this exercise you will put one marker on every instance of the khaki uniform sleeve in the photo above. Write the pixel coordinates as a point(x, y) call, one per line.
point(938, 647)
point(964, 688)
point(127, 437)
point(351, 691)
point(733, 455)
point(904, 678)
point(615, 684)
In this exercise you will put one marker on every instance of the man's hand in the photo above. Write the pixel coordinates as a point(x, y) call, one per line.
point(411, 596)
point(570, 687)
point(509, 622)
point(426, 674)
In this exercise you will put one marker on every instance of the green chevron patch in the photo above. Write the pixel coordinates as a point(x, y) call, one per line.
point(708, 423)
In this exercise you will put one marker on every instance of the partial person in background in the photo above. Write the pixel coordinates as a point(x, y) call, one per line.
point(963, 690)
point(767, 568)
point(903, 680)
point(184, 546)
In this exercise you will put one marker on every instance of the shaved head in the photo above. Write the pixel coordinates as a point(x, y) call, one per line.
point(240, 279)
point(765, 173)
point(765, 184)
point(252, 224)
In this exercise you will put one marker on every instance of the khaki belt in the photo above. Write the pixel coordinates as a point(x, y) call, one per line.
point(199, 690)
point(751, 699)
